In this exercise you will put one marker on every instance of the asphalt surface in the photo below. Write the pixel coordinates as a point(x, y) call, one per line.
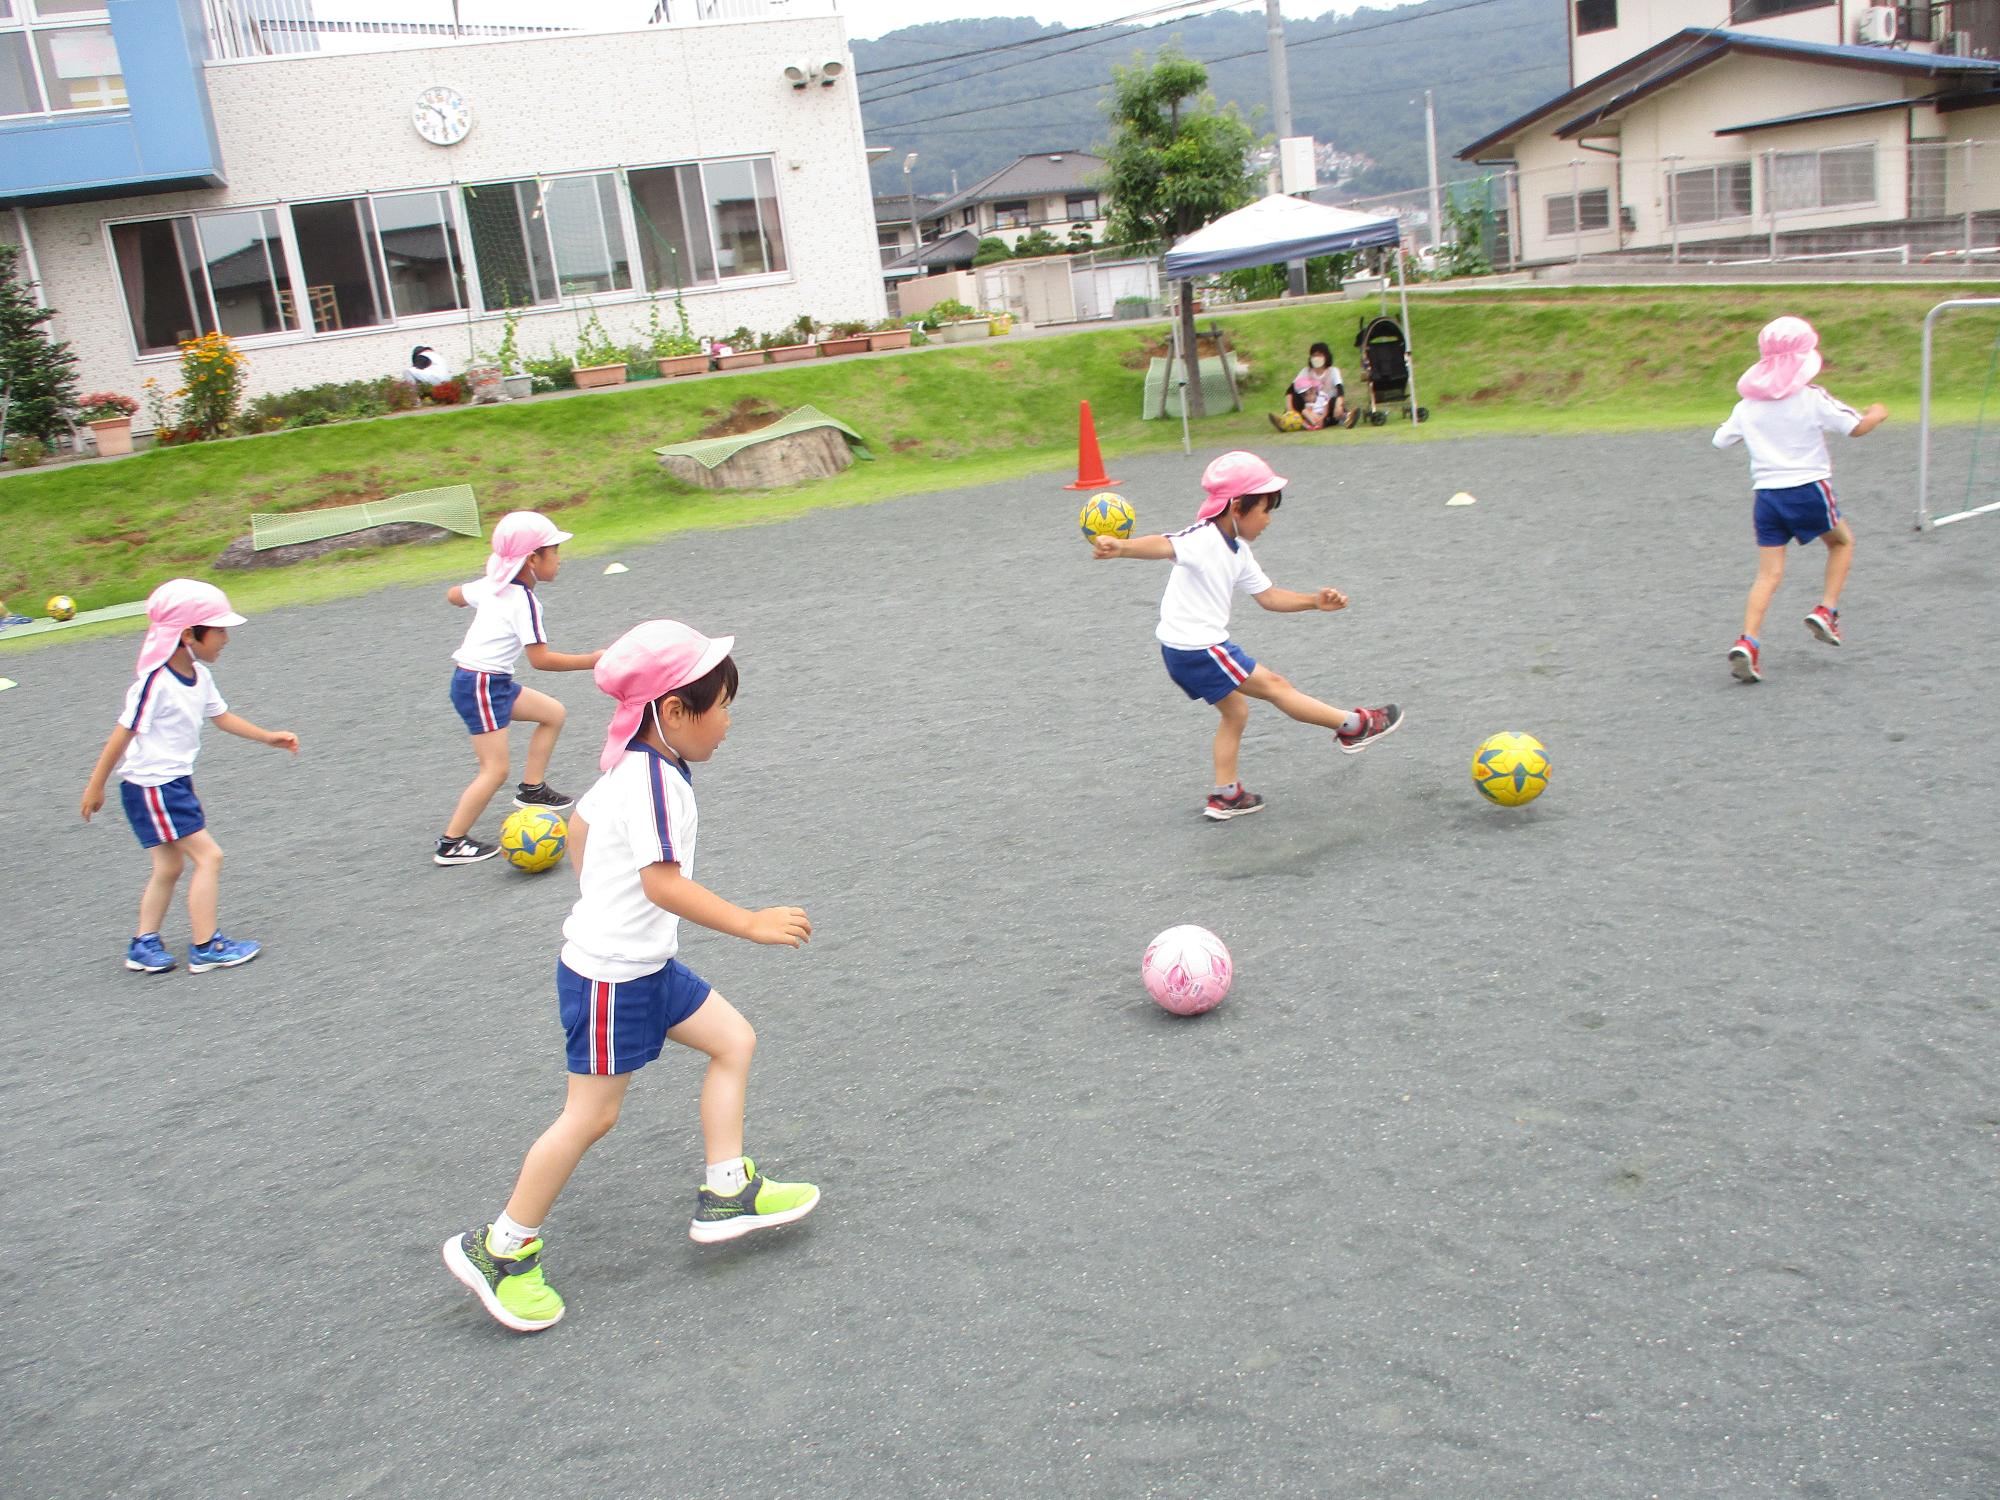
point(1637, 1143)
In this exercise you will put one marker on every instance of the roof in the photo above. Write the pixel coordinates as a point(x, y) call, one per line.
point(956, 248)
point(894, 208)
point(1837, 112)
point(1667, 62)
point(1032, 176)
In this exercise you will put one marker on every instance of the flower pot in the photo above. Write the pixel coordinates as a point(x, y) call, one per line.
point(483, 383)
point(965, 333)
point(1001, 325)
point(590, 377)
point(741, 361)
point(857, 344)
point(791, 354)
point(684, 364)
point(113, 436)
point(518, 387)
point(896, 338)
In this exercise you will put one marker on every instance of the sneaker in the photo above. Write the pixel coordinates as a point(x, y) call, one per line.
point(1825, 623)
point(1375, 722)
point(9, 621)
point(1352, 417)
point(511, 1287)
point(1222, 808)
point(760, 1205)
point(221, 952)
point(467, 851)
point(148, 955)
point(1743, 660)
point(541, 794)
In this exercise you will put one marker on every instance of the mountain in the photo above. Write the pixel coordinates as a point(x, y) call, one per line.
point(1357, 84)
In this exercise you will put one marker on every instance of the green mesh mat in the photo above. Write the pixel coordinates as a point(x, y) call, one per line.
point(1214, 388)
point(451, 507)
point(88, 617)
point(712, 451)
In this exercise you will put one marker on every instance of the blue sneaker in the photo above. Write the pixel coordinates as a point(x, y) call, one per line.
point(220, 952)
point(9, 621)
point(148, 955)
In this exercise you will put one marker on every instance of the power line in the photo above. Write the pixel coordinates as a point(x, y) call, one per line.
point(1033, 41)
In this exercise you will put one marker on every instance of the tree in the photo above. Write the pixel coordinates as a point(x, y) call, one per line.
point(991, 249)
point(1037, 241)
point(1176, 162)
point(1079, 240)
point(38, 372)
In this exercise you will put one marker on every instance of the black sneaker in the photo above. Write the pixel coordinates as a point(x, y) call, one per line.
point(1375, 722)
point(541, 794)
point(467, 851)
point(1222, 808)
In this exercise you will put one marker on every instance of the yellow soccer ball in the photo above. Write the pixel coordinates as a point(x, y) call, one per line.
point(1107, 514)
point(1511, 769)
point(534, 838)
point(61, 607)
point(1291, 421)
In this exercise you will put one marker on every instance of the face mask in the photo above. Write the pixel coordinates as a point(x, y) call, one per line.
point(1318, 363)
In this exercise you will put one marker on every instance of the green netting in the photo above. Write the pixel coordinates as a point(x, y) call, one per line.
point(1216, 387)
point(712, 451)
point(88, 617)
point(451, 507)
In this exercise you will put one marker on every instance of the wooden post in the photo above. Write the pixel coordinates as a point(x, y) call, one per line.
point(1191, 399)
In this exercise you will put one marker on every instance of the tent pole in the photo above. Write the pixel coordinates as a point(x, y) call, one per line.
point(1409, 344)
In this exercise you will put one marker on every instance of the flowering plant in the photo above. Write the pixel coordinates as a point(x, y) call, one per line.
point(105, 406)
point(211, 384)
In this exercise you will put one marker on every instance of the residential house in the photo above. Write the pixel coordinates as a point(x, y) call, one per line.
point(1052, 190)
point(895, 230)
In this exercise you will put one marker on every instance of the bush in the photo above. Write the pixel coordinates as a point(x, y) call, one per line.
point(991, 250)
point(338, 401)
point(594, 346)
point(105, 406)
point(446, 393)
point(552, 372)
point(25, 451)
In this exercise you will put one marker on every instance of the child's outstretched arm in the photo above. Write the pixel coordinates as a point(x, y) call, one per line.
point(93, 791)
point(1150, 548)
point(455, 595)
point(544, 659)
point(243, 729)
point(1871, 419)
point(668, 889)
point(1291, 602)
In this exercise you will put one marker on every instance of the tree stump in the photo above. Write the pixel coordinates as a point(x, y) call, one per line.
point(241, 553)
point(817, 453)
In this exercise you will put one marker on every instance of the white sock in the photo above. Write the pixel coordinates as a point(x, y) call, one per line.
point(727, 1177)
point(505, 1237)
point(1226, 791)
point(1352, 723)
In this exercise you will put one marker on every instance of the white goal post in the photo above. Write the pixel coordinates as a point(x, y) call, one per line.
point(1925, 520)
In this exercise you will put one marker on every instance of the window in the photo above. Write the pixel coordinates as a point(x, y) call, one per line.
point(1707, 195)
point(538, 241)
point(163, 292)
point(1593, 206)
point(1761, 10)
point(248, 280)
point(1800, 181)
point(344, 281)
point(705, 222)
point(185, 276)
point(669, 211)
point(1596, 15)
point(420, 249)
point(60, 59)
point(1010, 215)
point(1081, 207)
point(743, 201)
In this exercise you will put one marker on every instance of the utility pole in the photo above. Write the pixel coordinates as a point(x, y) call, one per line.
point(916, 229)
point(1431, 142)
point(1281, 111)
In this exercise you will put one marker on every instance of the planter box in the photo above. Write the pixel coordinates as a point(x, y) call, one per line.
point(965, 333)
point(592, 377)
point(791, 354)
point(684, 364)
point(858, 344)
point(518, 387)
point(898, 338)
point(114, 436)
point(741, 361)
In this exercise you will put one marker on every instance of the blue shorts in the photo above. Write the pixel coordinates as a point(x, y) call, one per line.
point(485, 700)
point(619, 1028)
point(1210, 674)
point(161, 814)
point(1799, 513)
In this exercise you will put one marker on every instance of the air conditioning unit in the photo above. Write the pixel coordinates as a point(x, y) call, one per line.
point(1878, 25)
point(1955, 44)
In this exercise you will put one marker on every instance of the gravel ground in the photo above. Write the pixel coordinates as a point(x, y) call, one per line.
point(1638, 1143)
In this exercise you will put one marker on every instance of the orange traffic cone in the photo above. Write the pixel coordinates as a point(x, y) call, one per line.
point(1090, 473)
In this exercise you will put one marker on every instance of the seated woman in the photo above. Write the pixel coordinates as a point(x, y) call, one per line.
point(1316, 398)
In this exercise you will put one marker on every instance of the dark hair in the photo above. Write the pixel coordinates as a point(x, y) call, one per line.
point(1271, 501)
point(718, 683)
point(1319, 349)
point(200, 632)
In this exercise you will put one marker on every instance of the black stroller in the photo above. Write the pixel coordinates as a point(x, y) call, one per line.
point(1385, 365)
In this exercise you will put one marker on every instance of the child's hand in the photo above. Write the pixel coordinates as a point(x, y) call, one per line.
point(1877, 411)
point(1330, 600)
point(93, 799)
point(1105, 546)
point(282, 739)
point(595, 658)
point(780, 927)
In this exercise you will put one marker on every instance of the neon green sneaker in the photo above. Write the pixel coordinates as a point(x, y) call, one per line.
point(510, 1287)
point(761, 1204)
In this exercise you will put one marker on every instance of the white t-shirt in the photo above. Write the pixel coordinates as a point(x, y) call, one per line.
point(1787, 439)
point(1208, 569)
point(165, 712)
point(640, 812)
point(505, 618)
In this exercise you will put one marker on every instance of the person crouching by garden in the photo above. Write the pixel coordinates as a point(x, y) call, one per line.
point(1316, 398)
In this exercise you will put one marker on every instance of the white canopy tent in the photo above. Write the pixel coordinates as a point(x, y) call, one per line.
point(1274, 229)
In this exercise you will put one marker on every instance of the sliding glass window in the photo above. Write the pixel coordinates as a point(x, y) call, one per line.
point(707, 222)
point(538, 241)
point(58, 56)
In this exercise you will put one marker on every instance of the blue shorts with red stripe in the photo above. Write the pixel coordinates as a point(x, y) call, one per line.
point(485, 700)
point(1800, 512)
point(161, 814)
point(619, 1028)
point(1210, 674)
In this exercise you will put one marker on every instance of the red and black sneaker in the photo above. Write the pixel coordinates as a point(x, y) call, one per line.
point(1222, 808)
point(1375, 722)
point(1825, 623)
point(1743, 660)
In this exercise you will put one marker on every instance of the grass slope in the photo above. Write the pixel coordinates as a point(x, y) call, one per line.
point(1528, 361)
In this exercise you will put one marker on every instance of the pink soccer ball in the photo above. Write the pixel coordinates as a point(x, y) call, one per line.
point(1187, 970)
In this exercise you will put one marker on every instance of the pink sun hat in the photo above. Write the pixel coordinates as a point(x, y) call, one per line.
point(652, 658)
point(517, 536)
point(173, 607)
point(1791, 361)
point(1232, 475)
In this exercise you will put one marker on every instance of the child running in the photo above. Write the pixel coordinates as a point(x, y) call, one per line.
point(1212, 562)
point(1783, 419)
point(153, 747)
point(507, 618)
point(620, 989)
